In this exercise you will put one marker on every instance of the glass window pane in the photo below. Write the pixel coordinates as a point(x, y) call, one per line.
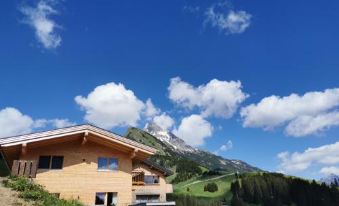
point(44, 162)
point(151, 179)
point(102, 163)
point(100, 198)
point(112, 198)
point(113, 164)
point(57, 162)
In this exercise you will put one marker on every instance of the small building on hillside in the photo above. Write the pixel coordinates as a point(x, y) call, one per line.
point(89, 164)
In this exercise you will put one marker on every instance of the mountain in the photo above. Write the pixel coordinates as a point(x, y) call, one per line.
point(331, 179)
point(172, 147)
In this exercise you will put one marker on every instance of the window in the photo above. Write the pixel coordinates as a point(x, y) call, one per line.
point(106, 199)
point(44, 162)
point(51, 162)
point(151, 179)
point(112, 198)
point(108, 163)
point(113, 164)
point(100, 198)
point(147, 198)
point(57, 162)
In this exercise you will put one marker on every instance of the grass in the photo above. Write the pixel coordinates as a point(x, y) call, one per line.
point(33, 192)
point(197, 189)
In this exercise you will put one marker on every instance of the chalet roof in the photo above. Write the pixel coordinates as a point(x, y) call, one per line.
point(58, 133)
point(158, 167)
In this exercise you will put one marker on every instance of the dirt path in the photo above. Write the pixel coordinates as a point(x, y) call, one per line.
point(9, 197)
point(214, 178)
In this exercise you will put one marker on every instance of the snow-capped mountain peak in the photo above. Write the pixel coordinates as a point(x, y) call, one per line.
point(169, 138)
point(330, 179)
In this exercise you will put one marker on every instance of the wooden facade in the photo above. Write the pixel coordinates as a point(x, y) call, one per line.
point(80, 177)
point(160, 188)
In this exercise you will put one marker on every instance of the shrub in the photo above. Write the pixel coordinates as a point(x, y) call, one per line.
point(211, 187)
point(31, 191)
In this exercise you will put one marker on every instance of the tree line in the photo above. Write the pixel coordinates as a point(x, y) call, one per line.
point(274, 189)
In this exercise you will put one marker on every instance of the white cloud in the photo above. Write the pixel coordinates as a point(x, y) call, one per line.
point(60, 123)
point(164, 121)
point(39, 19)
point(330, 170)
point(194, 130)
point(111, 105)
point(216, 98)
point(227, 20)
point(151, 110)
point(56, 123)
point(13, 122)
point(225, 147)
point(303, 115)
point(306, 125)
point(327, 155)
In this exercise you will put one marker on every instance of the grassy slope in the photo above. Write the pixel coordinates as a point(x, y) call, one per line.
point(147, 139)
point(197, 189)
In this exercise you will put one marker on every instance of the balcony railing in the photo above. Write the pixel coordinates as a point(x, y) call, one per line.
point(26, 168)
point(138, 178)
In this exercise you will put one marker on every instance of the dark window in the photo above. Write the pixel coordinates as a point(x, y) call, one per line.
point(44, 162)
point(57, 162)
point(100, 198)
point(151, 179)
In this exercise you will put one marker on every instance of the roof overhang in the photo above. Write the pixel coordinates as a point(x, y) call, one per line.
point(87, 132)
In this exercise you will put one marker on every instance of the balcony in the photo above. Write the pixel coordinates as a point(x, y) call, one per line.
point(138, 178)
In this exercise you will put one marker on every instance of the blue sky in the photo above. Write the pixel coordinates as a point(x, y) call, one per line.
point(53, 51)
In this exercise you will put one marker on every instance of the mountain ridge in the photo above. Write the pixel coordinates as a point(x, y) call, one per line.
point(170, 146)
point(331, 179)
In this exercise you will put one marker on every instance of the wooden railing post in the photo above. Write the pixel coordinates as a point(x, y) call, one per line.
point(27, 168)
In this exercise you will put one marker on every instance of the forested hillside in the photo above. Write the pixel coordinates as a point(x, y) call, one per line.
point(273, 189)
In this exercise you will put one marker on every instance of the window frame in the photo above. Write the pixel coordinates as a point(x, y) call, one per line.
point(96, 195)
point(50, 162)
point(106, 196)
point(40, 162)
point(108, 168)
point(62, 162)
point(154, 177)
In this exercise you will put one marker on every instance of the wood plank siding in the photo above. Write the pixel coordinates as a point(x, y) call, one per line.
point(80, 178)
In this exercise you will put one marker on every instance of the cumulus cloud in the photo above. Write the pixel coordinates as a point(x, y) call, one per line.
point(194, 129)
point(39, 18)
point(111, 105)
point(151, 110)
point(13, 122)
point(56, 123)
point(303, 115)
point(330, 170)
point(164, 121)
point(306, 125)
point(224, 147)
point(216, 98)
point(326, 155)
point(227, 20)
